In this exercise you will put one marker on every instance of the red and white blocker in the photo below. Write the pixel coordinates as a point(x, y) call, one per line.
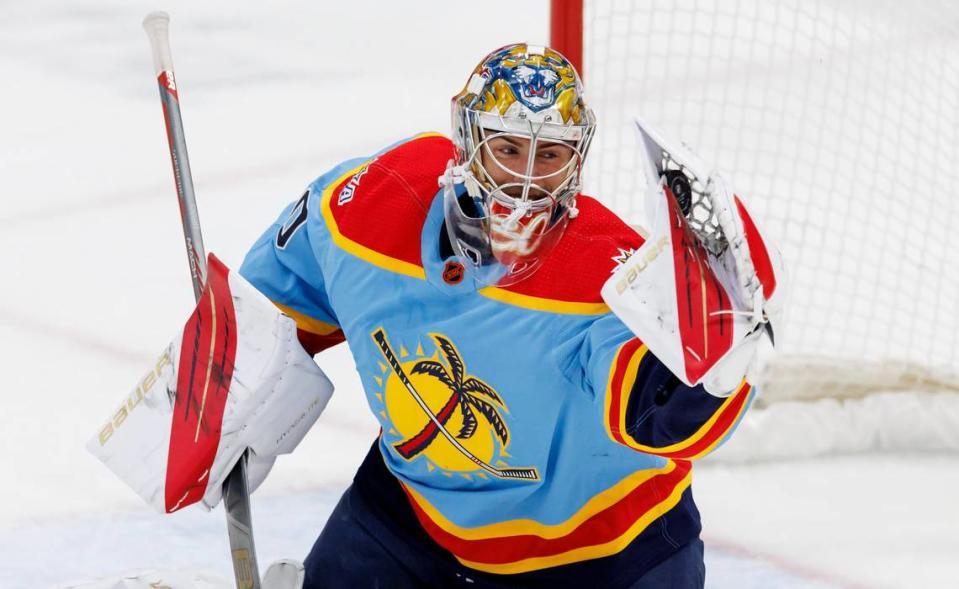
point(700, 313)
point(236, 377)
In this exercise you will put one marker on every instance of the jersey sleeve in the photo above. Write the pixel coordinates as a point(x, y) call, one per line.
point(282, 265)
point(646, 408)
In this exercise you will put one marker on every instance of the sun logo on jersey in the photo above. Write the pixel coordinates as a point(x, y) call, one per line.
point(467, 394)
point(441, 413)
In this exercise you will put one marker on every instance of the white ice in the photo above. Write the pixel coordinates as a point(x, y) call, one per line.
point(94, 283)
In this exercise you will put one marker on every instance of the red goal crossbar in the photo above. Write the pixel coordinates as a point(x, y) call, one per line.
point(566, 30)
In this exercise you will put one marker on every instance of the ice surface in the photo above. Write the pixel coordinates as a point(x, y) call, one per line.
point(285, 525)
point(95, 283)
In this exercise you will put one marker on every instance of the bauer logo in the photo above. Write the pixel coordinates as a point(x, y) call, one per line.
point(134, 398)
point(346, 194)
point(167, 81)
point(636, 264)
point(622, 257)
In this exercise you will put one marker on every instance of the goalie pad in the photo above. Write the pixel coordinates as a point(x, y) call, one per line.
point(703, 288)
point(235, 378)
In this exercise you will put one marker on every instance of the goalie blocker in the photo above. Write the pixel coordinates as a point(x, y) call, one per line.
point(724, 278)
point(236, 377)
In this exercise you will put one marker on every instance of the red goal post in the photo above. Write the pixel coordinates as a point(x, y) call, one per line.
point(839, 123)
point(566, 30)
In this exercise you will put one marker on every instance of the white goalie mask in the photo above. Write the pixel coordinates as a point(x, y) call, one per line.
point(521, 132)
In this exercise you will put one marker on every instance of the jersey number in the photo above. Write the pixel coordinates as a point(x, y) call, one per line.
point(294, 221)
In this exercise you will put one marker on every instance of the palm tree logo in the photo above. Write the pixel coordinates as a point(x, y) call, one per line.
point(467, 393)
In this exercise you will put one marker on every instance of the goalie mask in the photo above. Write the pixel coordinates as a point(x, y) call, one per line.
point(521, 131)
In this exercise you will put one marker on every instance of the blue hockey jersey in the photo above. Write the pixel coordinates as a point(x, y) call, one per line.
point(526, 425)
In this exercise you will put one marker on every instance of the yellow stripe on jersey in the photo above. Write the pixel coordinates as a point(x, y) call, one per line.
point(518, 527)
point(307, 323)
point(542, 304)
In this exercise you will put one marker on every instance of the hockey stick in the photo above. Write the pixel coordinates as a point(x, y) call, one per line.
point(528, 474)
point(236, 495)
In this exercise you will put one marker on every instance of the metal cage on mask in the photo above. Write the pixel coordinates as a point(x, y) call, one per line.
point(504, 231)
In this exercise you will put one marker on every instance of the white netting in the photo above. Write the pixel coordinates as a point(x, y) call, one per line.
point(839, 123)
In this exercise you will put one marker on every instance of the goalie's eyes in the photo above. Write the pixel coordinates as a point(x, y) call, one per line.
point(554, 153)
point(504, 150)
point(547, 155)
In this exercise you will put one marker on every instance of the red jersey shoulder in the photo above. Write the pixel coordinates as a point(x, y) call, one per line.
point(595, 243)
point(382, 203)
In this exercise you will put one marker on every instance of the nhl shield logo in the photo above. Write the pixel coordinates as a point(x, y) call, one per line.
point(453, 272)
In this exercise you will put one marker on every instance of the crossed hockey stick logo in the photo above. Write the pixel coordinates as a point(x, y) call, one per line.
point(468, 394)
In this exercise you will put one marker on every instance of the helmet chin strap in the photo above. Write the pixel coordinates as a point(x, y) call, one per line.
point(453, 175)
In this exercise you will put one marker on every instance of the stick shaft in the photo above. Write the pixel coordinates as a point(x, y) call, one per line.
point(156, 25)
point(236, 495)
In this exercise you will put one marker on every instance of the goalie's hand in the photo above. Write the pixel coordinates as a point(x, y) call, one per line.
point(701, 291)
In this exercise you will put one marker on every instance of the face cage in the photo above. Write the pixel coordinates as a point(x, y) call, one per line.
point(533, 196)
point(503, 248)
point(477, 128)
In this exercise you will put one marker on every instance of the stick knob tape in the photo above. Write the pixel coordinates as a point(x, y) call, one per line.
point(157, 26)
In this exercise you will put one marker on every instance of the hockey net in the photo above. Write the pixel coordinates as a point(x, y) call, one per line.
point(839, 123)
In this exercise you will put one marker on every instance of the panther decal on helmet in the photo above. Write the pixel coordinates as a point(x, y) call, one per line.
point(534, 80)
